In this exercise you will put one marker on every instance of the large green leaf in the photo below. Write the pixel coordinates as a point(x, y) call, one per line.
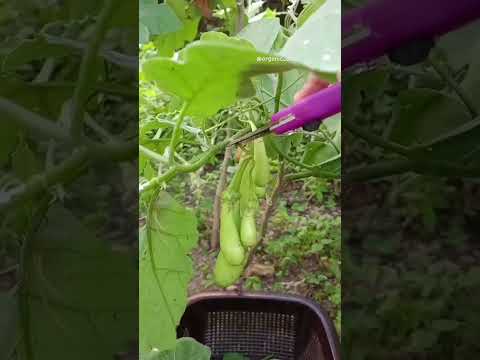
point(261, 33)
point(168, 43)
point(421, 115)
point(81, 296)
point(165, 271)
point(317, 43)
point(273, 144)
point(159, 18)
point(332, 166)
point(461, 46)
point(185, 349)
point(318, 152)
point(210, 72)
point(367, 85)
point(308, 11)
point(460, 144)
point(334, 126)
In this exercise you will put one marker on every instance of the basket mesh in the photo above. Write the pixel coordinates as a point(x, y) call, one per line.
point(260, 325)
point(258, 334)
point(314, 350)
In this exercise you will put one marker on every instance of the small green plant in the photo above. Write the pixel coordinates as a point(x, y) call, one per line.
point(254, 283)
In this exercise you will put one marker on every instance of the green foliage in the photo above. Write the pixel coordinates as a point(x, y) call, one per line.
point(421, 115)
point(168, 42)
point(185, 349)
point(293, 81)
point(309, 10)
point(71, 276)
point(169, 235)
point(191, 106)
point(320, 53)
point(317, 152)
point(413, 290)
point(307, 238)
point(156, 19)
point(217, 68)
point(254, 283)
point(312, 237)
point(262, 33)
point(56, 245)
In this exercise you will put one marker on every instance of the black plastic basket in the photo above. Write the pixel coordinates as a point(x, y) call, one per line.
point(259, 325)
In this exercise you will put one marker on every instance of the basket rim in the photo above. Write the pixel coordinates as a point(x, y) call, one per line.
point(330, 331)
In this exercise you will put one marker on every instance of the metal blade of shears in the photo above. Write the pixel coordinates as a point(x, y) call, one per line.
point(260, 132)
point(264, 130)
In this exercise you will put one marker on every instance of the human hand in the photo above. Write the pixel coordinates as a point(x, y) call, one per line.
point(313, 84)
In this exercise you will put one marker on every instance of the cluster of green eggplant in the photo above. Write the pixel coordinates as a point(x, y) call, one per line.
point(240, 202)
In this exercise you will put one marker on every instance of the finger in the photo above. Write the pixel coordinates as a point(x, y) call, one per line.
point(312, 85)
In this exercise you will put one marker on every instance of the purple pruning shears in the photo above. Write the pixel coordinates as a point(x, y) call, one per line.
point(314, 108)
point(369, 32)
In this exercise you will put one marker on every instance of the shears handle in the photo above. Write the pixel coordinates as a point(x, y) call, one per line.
point(390, 24)
point(317, 107)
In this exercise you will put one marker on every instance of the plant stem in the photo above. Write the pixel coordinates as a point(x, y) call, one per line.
point(378, 170)
point(57, 174)
point(100, 86)
point(266, 92)
point(309, 173)
point(288, 158)
point(177, 130)
point(98, 129)
point(125, 61)
point(330, 141)
point(278, 92)
point(420, 166)
point(115, 151)
point(193, 166)
point(217, 205)
point(444, 73)
point(87, 69)
point(373, 139)
point(227, 15)
point(251, 108)
point(272, 202)
point(426, 75)
point(69, 169)
point(239, 23)
point(32, 122)
point(152, 154)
